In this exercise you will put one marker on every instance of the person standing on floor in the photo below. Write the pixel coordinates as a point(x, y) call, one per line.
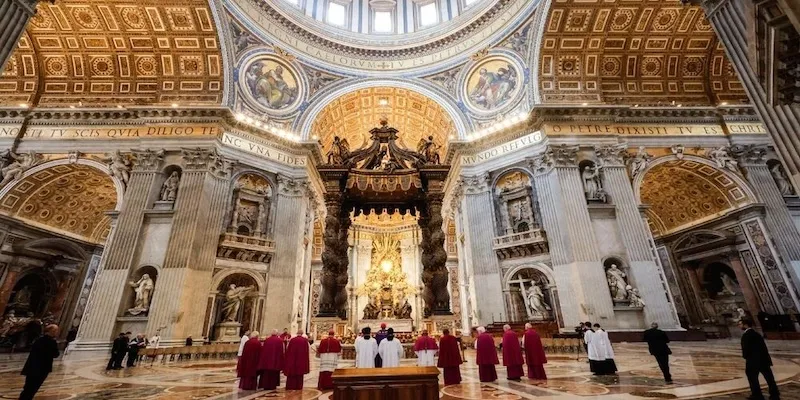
point(297, 363)
point(134, 346)
point(242, 341)
point(657, 344)
point(189, 341)
point(757, 361)
point(512, 354)
point(118, 350)
point(601, 354)
point(379, 336)
point(425, 347)
point(329, 351)
point(366, 349)
point(534, 353)
point(390, 350)
point(40, 362)
point(450, 358)
point(270, 363)
point(486, 356)
point(247, 367)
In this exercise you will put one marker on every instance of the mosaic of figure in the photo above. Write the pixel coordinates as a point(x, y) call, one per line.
point(779, 175)
point(169, 190)
point(270, 85)
point(234, 298)
point(143, 289)
point(495, 85)
point(617, 283)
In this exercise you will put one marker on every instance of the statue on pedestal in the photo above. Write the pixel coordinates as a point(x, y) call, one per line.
point(404, 311)
point(169, 190)
point(233, 301)
point(729, 286)
point(340, 149)
point(143, 289)
point(616, 282)
point(428, 150)
point(592, 184)
point(634, 297)
point(781, 180)
point(371, 310)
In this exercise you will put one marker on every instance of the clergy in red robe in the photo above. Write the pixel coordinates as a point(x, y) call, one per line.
point(486, 356)
point(425, 347)
point(328, 351)
point(285, 336)
point(247, 367)
point(270, 363)
point(512, 354)
point(296, 363)
point(534, 353)
point(450, 358)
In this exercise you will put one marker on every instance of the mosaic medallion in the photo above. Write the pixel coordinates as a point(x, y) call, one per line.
point(492, 84)
point(270, 84)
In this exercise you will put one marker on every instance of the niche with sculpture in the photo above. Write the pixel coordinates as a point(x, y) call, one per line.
point(592, 179)
point(530, 296)
point(513, 196)
point(722, 296)
point(235, 306)
point(30, 296)
point(141, 285)
point(780, 177)
point(622, 292)
point(167, 188)
point(252, 200)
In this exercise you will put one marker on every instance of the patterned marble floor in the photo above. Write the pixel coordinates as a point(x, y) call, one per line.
point(700, 370)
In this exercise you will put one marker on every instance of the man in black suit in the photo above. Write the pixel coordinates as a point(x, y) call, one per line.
point(40, 362)
point(657, 344)
point(118, 350)
point(757, 361)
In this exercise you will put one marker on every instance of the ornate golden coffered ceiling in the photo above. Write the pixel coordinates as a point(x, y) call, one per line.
point(126, 52)
point(414, 115)
point(684, 192)
point(71, 198)
point(633, 52)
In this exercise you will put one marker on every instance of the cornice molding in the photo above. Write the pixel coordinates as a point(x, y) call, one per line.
point(622, 114)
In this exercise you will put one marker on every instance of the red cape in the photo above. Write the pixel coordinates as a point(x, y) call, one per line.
point(512, 351)
point(329, 345)
point(534, 351)
point(449, 353)
point(297, 362)
point(425, 342)
point(271, 354)
point(487, 353)
point(248, 362)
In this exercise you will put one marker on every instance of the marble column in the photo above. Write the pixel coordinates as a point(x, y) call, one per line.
point(779, 222)
point(579, 275)
point(286, 264)
point(14, 16)
point(102, 308)
point(479, 222)
point(645, 273)
point(732, 20)
point(185, 278)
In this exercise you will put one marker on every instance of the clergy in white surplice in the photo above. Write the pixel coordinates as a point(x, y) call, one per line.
point(366, 350)
point(425, 347)
point(601, 354)
point(391, 350)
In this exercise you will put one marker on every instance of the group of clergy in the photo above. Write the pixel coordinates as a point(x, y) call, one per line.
point(515, 354)
point(260, 364)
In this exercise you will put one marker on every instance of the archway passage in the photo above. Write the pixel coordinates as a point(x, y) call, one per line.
point(681, 193)
point(353, 115)
point(70, 199)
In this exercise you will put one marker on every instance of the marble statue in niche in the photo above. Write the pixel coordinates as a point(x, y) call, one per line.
point(169, 189)
point(729, 286)
point(634, 297)
point(514, 199)
point(593, 183)
point(781, 180)
point(143, 290)
point(252, 202)
point(234, 298)
point(617, 282)
point(22, 299)
point(537, 305)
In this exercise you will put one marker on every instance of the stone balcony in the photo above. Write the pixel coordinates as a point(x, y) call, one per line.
point(245, 248)
point(521, 244)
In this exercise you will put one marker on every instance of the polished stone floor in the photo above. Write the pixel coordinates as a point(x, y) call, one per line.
point(700, 370)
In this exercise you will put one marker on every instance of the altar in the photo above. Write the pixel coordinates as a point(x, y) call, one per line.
point(399, 325)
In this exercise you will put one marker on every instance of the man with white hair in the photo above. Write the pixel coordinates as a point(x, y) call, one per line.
point(271, 361)
point(534, 353)
point(297, 363)
point(512, 354)
point(247, 367)
point(486, 356)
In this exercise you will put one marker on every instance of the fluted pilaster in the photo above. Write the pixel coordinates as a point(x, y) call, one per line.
point(14, 15)
point(479, 223)
point(286, 265)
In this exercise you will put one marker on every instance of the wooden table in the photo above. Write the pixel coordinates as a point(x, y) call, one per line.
point(401, 383)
